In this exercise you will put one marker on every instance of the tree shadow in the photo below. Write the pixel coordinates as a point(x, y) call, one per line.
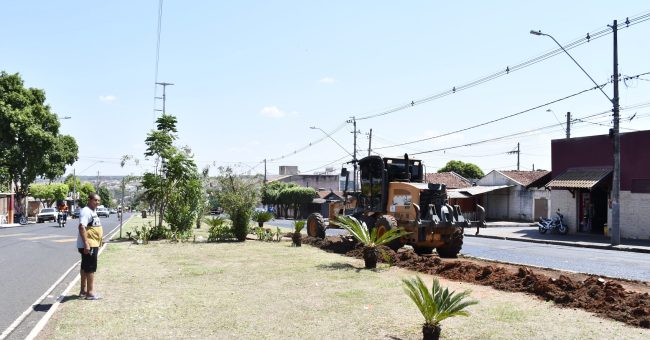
point(70, 297)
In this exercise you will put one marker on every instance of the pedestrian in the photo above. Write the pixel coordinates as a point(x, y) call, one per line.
point(89, 240)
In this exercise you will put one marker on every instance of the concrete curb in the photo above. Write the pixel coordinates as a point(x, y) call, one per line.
point(567, 243)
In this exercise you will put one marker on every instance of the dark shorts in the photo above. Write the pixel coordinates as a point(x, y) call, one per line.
point(88, 261)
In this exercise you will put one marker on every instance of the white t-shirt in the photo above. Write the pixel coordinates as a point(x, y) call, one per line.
point(86, 217)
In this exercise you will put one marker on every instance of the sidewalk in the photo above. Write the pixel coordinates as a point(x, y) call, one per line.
point(526, 232)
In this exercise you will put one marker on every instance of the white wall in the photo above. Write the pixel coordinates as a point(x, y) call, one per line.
point(563, 200)
point(635, 215)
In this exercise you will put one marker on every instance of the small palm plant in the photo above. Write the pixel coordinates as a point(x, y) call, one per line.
point(368, 238)
point(296, 238)
point(262, 216)
point(436, 305)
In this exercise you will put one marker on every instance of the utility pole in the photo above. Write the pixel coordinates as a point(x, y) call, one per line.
point(97, 181)
point(516, 152)
point(616, 176)
point(265, 171)
point(74, 189)
point(354, 154)
point(122, 207)
point(164, 95)
point(568, 125)
point(369, 142)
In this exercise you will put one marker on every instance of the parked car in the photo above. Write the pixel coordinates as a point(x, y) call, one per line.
point(47, 214)
point(103, 212)
point(76, 212)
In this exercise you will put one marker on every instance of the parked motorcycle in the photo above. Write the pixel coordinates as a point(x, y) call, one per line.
point(554, 224)
point(61, 219)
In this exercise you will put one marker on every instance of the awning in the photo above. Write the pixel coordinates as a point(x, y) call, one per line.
point(579, 178)
point(456, 194)
point(476, 190)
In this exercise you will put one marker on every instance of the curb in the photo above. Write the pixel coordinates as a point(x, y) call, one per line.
point(566, 243)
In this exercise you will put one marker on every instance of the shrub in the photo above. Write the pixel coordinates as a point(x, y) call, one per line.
point(262, 216)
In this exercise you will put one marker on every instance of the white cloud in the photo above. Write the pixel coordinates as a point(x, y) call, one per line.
point(272, 112)
point(107, 99)
point(327, 80)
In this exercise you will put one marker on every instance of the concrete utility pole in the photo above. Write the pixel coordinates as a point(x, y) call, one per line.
point(369, 142)
point(516, 152)
point(74, 189)
point(616, 176)
point(568, 125)
point(354, 154)
point(97, 181)
point(264, 171)
point(614, 133)
point(164, 96)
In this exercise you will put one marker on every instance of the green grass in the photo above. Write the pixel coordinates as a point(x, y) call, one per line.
point(270, 290)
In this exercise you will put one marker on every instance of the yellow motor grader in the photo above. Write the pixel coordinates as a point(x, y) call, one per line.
point(394, 194)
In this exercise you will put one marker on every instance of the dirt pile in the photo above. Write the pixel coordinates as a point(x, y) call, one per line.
point(605, 297)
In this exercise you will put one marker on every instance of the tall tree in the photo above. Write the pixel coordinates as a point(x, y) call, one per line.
point(160, 145)
point(467, 170)
point(105, 196)
point(30, 143)
point(49, 192)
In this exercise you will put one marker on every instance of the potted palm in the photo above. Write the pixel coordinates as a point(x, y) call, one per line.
point(296, 238)
point(369, 238)
point(436, 305)
point(262, 216)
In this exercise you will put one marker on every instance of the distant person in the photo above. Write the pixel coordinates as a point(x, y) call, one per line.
point(89, 240)
point(480, 214)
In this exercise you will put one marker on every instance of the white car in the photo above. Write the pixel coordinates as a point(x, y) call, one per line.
point(103, 212)
point(47, 214)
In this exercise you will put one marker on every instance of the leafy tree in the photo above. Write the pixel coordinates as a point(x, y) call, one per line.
point(185, 197)
point(160, 144)
point(298, 198)
point(467, 170)
point(30, 143)
point(105, 196)
point(49, 192)
point(83, 189)
point(238, 195)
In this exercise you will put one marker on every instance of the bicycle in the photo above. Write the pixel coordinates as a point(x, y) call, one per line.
point(21, 219)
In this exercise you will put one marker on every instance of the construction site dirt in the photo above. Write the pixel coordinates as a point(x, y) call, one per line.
point(621, 300)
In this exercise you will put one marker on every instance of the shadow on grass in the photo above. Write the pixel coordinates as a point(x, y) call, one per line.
point(70, 297)
point(339, 266)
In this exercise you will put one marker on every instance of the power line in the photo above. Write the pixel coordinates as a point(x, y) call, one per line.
point(155, 86)
point(589, 37)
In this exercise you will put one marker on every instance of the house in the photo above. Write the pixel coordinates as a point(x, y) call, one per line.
point(508, 195)
point(581, 183)
point(450, 179)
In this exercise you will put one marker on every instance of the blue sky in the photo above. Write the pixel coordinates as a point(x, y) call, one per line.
point(251, 77)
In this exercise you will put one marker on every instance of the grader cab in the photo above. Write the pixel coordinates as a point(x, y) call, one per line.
point(394, 194)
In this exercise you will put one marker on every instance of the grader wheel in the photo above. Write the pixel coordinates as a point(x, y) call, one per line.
point(316, 225)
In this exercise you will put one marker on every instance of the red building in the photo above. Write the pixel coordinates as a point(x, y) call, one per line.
point(582, 181)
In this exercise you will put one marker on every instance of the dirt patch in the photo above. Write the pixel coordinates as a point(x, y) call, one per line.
point(624, 301)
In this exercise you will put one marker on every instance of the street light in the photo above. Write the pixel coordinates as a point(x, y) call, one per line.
point(616, 176)
point(330, 137)
point(64, 117)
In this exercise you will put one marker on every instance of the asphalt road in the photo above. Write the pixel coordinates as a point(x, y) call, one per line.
point(32, 258)
point(612, 263)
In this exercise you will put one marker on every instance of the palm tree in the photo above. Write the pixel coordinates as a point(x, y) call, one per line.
point(297, 238)
point(436, 305)
point(368, 238)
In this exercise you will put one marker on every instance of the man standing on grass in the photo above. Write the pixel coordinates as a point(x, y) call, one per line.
point(89, 240)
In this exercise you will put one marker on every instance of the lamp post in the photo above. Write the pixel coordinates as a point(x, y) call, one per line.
point(614, 132)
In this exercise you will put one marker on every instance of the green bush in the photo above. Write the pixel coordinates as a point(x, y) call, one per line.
point(220, 230)
point(240, 221)
point(262, 216)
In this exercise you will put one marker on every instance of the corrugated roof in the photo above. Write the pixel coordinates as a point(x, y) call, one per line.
point(579, 178)
point(477, 190)
point(524, 177)
point(451, 179)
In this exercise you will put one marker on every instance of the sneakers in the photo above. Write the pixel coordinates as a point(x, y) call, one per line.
point(93, 297)
point(82, 295)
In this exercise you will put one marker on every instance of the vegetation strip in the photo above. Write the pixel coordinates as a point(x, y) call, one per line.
point(606, 298)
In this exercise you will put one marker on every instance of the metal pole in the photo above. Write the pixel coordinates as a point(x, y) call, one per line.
point(122, 208)
point(616, 176)
point(354, 156)
point(74, 189)
point(370, 142)
point(568, 125)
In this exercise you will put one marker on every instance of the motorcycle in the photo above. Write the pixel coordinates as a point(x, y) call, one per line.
point(20, 218)
point(556, 223)
point(61, 219)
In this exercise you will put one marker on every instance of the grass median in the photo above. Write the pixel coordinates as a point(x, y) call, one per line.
point(271, 290)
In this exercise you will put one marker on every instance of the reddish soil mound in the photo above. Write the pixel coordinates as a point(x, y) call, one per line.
point(605, 297)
